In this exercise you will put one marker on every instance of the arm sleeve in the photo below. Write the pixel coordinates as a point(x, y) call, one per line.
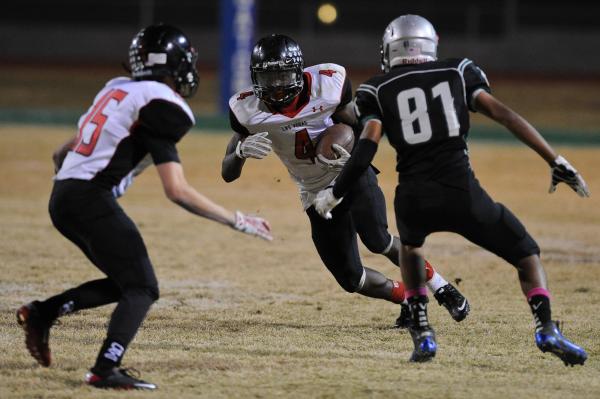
point(366, 104)
point(357, 164)
point(475, 81)
point(161, 124)
point(236, 126)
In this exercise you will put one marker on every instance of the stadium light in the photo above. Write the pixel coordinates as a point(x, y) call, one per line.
point(327, 13)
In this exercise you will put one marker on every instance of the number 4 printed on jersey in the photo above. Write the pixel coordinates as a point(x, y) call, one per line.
point(86, 143)
point(304, 147)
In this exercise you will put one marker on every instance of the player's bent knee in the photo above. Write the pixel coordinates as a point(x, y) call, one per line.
point(515, 238)
point(148, 293)
point(378, 243)
point(351, 282)
point(153, 292)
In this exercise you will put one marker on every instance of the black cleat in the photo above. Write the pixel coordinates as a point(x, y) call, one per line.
point(37, 332)
point(118, 378)
point(425, 345)
point(550, 339)
point(456, 304)
point(404, 320)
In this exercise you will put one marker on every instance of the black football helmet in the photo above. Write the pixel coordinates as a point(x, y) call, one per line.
point(158, 51)
point(276, 67)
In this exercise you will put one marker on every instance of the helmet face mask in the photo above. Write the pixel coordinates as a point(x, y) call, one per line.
point(160, 51)
point(408, 39)
point(277, 70)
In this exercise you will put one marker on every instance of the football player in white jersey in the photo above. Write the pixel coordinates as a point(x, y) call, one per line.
point(129, 119)
point(287, 109)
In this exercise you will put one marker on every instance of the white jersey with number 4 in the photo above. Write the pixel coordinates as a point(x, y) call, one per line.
point(295, 135)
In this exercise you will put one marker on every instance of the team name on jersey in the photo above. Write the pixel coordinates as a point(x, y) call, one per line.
point(291, 126)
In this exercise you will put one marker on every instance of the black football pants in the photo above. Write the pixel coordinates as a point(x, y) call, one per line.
point(92, 219)
point(425, 207)
point(362, 211)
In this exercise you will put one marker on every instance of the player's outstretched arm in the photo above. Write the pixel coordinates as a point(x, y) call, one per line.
point(491, 107)
point(178, 190)
point(561, 169)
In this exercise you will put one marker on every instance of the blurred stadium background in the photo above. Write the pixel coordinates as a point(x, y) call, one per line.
point(541, 57)
point(238, 316)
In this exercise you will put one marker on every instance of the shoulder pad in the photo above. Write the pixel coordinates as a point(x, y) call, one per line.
point(159, 91)
point(327, 81)
point(244, 104)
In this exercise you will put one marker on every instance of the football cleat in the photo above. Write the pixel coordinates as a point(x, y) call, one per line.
point(425, 345)
point(404, 320)
point(550, 339)
point(118, 378)
point(37, 332)
point(456, 304)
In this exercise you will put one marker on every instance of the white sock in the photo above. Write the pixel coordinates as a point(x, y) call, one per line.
point(436, 282)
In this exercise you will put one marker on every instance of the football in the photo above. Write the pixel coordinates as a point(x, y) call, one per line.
point(339, 133)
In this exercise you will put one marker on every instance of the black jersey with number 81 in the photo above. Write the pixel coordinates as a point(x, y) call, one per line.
point(424, 109)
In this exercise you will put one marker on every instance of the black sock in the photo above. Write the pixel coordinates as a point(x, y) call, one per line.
point(418, 310)
point(540, 307)
point(88, 295)
point(110, 356)
point(124, 323)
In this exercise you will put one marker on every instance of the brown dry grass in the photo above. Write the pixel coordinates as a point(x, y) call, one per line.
point(241, 317)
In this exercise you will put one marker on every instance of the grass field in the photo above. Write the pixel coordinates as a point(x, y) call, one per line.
point(239, 317)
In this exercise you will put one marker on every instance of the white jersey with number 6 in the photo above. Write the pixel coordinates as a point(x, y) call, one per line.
point(111, 119)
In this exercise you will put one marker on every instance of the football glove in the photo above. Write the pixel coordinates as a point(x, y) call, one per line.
point(253, 225)
point(123, 185)
point(127, 181)
point(337, 164)
point(255, 146)
point(325, 202)
point(562, 171)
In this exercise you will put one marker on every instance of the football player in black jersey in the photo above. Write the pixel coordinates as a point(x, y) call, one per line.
point(422, 104)
point(282, 90)
point(130, 118)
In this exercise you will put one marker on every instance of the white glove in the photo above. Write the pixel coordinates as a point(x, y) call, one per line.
point(337, 164)
point(127, 181)
point(123, 185)
point(325, 202)
point(253, 225)
point(562, 171)
point(255, 146)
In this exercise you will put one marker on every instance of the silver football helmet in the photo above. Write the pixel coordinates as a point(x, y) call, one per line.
point(408, 39)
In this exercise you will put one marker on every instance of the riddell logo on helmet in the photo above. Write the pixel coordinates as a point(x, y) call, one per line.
point(415, 60)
